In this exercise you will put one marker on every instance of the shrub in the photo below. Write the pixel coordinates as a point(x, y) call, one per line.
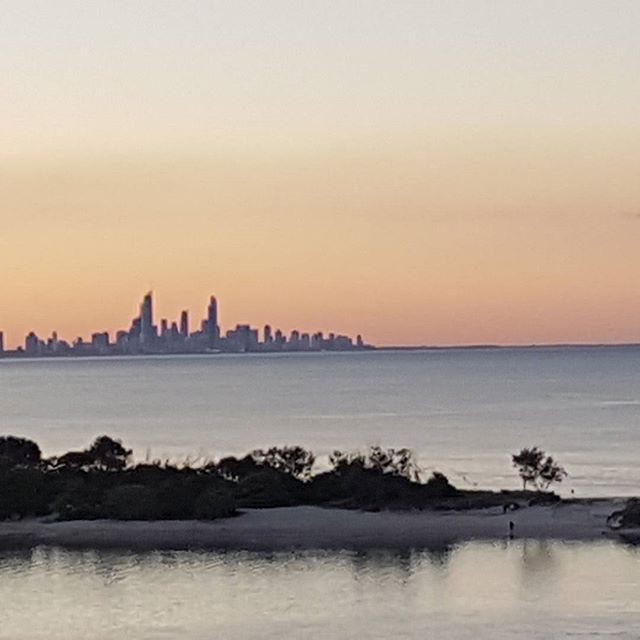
point(268, 488)
point(438, 486)
point(23, 492)
point(72, 461)
point(214, 503)
point(131, 502)
point(79, 500)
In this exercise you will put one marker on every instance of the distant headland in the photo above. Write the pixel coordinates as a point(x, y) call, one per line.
point(144, 337)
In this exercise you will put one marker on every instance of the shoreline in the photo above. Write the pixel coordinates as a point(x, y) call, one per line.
point(13, 355)
point(311, 527)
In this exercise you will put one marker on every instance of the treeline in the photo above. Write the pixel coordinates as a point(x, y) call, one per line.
point(102, 481)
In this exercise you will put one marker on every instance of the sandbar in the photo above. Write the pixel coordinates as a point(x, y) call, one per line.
point(309, 527)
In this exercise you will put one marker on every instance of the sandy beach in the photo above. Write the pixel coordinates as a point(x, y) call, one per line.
point(318, 528)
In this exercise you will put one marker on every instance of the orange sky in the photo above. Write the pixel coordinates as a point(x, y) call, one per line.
point(347, 174)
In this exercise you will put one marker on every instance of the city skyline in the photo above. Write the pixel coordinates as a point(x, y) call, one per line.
point(145, 336)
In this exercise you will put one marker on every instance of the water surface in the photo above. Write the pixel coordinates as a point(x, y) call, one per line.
point(526, 589)
point(462, 411)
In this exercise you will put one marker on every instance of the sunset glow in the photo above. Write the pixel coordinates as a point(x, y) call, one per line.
point(421, 173)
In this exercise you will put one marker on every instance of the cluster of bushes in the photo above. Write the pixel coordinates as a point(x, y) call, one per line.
point(103, 482)
point(626, 518)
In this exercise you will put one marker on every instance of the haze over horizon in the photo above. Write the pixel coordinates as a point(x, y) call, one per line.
point(420, 173)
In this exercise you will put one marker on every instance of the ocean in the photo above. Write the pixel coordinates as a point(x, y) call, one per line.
point(517, 590)
point(462, 411)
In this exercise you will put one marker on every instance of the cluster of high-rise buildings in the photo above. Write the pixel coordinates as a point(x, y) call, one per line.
point(144, 336)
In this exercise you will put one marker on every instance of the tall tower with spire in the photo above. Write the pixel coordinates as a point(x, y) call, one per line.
point(213, 330)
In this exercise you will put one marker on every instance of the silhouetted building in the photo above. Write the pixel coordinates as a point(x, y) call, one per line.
point(184, 324)
point(1, 344)
point(243, 338)
point(33, 346)
point(316, 340)
point(147, 330)
point(100, 343)
point(213, 330)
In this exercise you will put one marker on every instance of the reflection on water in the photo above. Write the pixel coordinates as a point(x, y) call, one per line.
point(525, 589)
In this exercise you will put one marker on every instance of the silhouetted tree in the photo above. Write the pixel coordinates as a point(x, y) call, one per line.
point(108, 454)
point(295, 461)
point(438, 485)
point(72, 461)
point(231, 468)
point(395, 462)
point(343, 461)
point(537, 468)
point(18, 452)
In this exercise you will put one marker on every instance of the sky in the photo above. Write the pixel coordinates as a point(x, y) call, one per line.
point(419, 172)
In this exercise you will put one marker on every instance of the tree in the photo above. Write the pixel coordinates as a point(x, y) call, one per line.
point(394, 462)
point(18, 452)
point(344, 461)
point(294, 461)
point(108, 454)
point(537, 468)
point(230, 468)
point(71, 461)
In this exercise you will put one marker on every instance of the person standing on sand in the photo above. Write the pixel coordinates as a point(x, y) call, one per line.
point(512, 526)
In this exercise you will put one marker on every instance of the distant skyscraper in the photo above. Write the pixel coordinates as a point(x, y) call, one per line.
point(32, 344)
point(268, 337)
point(1, 343)
point(213, 330)
point(184, 324)
point(147, 331)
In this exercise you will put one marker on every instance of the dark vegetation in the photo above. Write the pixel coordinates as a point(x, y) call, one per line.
point(535, 467)
point(627, 517)
point(102, 481)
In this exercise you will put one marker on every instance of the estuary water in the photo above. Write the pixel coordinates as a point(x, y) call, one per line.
point(462, 411)
point(507, 591)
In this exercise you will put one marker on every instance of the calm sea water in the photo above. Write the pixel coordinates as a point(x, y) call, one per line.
point(531, 590)
point(462, 411)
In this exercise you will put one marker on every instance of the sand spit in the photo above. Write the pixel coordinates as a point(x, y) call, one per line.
point(319, 528)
